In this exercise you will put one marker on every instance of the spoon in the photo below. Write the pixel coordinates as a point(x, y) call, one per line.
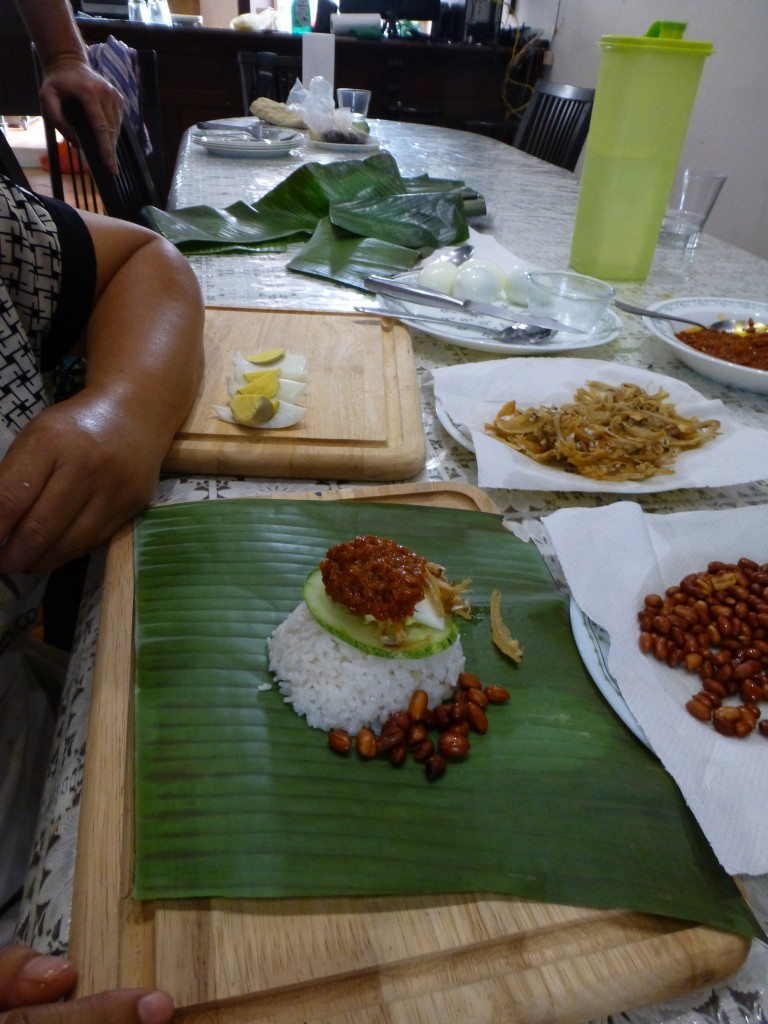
point(460, 254)
point(718, 325)
point(513, 335)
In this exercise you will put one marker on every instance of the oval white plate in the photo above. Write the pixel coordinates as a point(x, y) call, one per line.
point(459, 435)
point(593, 645)
point(278, 142)
point(347, 147)
point(707, 310)
point(464, 332)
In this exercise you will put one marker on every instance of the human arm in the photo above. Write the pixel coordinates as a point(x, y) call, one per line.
point(66, 73)
point(81, 468)
point(36, 982)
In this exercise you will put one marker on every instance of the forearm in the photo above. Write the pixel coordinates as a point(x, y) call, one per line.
point(81, 468)
point(55, 34)
point(144, 354)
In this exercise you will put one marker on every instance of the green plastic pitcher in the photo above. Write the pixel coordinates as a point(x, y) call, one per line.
point(645, 92)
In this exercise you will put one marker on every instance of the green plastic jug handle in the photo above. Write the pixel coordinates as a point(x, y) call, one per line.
point(667, 29)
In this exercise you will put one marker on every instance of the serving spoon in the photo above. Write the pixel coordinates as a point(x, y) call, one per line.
point(718, 325)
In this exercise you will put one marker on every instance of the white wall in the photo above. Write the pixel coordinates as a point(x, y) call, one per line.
point(729, 125)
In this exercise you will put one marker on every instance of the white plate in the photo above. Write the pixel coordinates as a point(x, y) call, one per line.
point(463, 331)
point(707, 310)
point(459, 435)
point(347, 147)
point(593, 645)
point(277, 142)
point(469, 395)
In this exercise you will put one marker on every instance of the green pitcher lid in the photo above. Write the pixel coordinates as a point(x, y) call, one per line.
point(657, 43)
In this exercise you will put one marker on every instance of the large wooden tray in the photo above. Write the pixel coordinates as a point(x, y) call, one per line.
point(363, 417)
point(483, 959)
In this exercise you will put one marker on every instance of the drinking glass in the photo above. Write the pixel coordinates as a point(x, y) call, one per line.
point(356, 100)
point(690, 202)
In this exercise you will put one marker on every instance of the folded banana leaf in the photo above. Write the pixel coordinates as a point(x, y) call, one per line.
point(334, 253)
point(368, 197)
point(236, 796)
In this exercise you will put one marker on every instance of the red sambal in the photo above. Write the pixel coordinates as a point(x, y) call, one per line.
point(746, 347)
point(374, 576)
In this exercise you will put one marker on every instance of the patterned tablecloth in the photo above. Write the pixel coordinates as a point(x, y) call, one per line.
point(531, 208)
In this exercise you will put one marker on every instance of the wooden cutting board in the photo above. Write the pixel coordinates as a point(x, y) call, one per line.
point(457, 958)
point(363, 418)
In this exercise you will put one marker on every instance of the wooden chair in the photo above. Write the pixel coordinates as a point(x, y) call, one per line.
point(555, 123)
point(92, 186)
point(9, 163)
point(122, 195)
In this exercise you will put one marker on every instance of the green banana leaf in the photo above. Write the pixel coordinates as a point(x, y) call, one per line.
point(237, 796)
point(406, 220)
point(349, 259)
point(368, 197)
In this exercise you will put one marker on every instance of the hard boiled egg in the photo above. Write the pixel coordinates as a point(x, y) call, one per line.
point(481, 280)
point(516, 285)
point(439, 276)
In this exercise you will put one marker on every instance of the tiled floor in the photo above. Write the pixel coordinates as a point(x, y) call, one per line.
point(29, 145)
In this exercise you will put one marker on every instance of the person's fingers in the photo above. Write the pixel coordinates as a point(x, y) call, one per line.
point(105, 114)
point(28, 978)
point(120, 1006)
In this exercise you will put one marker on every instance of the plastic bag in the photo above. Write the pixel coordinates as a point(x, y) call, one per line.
point(318, 110)
point(259, 21)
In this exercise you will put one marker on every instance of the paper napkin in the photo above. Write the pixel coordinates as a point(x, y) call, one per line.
point(612, 557)
point(468, 396)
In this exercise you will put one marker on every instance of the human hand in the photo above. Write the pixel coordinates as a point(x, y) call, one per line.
point(36, 982)
point(102, 103)
point(72, 476)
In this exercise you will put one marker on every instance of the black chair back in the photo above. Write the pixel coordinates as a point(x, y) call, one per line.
point(123, 194)
point(257, 77)
point(555, 123)
point(9, 163)
point(85, 174)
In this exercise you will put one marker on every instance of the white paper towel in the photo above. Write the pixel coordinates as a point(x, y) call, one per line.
point(471, 395)
point(612, 557)
point(318, 57)
point(344, 24)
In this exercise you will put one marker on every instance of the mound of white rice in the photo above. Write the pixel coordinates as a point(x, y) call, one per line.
point(335, 686)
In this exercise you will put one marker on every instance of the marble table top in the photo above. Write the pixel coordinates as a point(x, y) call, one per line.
point(531, 207)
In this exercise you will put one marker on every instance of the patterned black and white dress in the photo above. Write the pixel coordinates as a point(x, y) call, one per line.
point(47, 279)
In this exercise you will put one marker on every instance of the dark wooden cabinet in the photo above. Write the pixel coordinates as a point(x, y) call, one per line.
point(451, 84)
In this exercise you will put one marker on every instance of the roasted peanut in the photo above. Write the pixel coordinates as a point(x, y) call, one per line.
point(397, 755)
point(715, 623)
point(435, 767)
point(339, 741)
point(496, 694)
point(417, 707)
point(467, 681)
point(366, 743)
point(477, 719)
point(452, 745)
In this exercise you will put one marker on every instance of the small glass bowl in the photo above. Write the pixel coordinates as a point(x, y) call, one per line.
point(572, 299)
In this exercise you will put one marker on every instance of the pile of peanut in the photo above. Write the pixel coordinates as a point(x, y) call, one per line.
point(413, 728)
point(715, 624)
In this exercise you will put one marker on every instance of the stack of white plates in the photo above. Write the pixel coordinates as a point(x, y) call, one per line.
point(271, 142)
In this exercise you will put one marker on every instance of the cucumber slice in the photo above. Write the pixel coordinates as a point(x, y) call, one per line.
point(421, 640)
